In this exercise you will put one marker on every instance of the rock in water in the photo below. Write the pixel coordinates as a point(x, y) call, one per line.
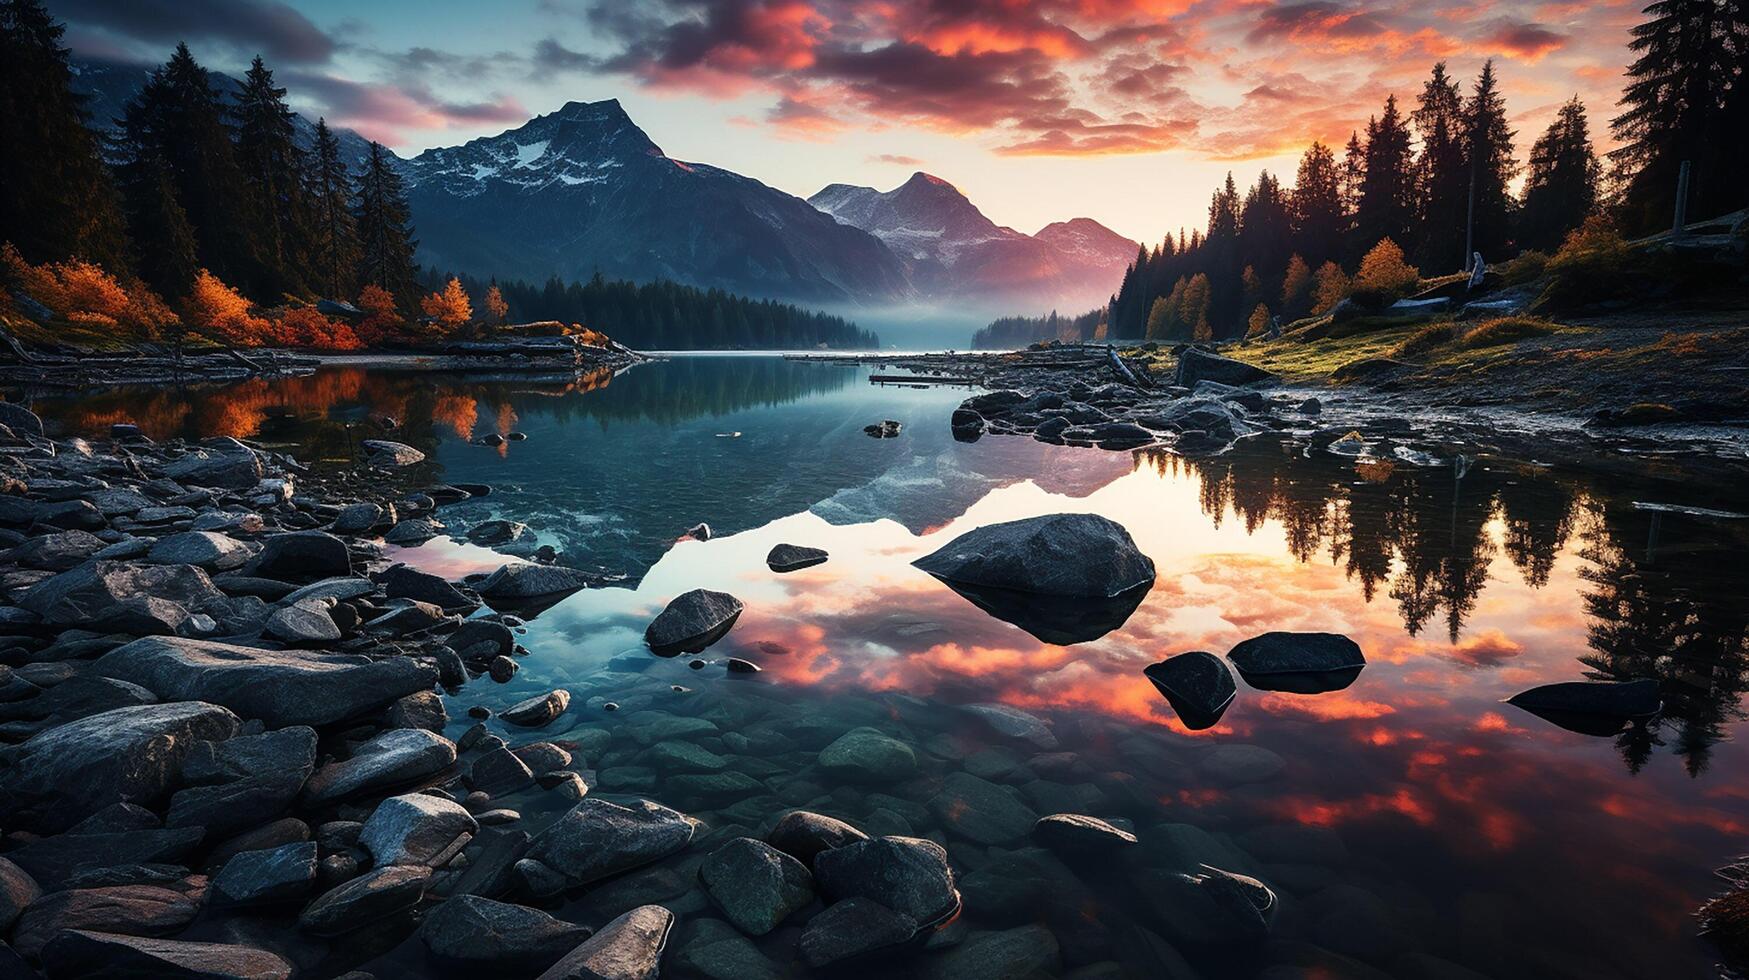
point(280, 687)
point(83, 952)
point(369, 898)
point(538, 711)
point(496, 532)
point(1066, 555)
point(1077, 832)
point(595, 839)
point(793, 557)
point(1198, 365)
point(756, 885)
point(387, 454)
point(1300, 663)
point(69, 772)
point(853, 927)
point(474, 930)
point(692, 621)
point(628, 948)
point(1027, 951)
point(1197, 685)
point(802, 834)
point(909, 875)
point(523, 580)
point(981, 811)
point(1589, 707)
point(867, 755)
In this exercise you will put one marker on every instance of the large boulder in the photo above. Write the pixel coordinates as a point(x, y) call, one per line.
point(756, 885)
point(525, 580)
point(85, 953)
point(395, 758)
point(210, 550)
point(1197, 685)
point(388, 454)
point(1199, 365)
point(406, 582)
point(1059, 555)
point(628, 948)
point(692, 621)
point(909, 875)
point(98, 589)
point(141, 910)
point(489, 935)
point(238, 784)
point(280, 687)
point(376, 895)
point(300, 556)
point(225, 471)
point(57, 552)
point(131, 755)
point(803, 834)
point(596, 839)
point(417, 829)
point(1303, 663)
point(266, 877)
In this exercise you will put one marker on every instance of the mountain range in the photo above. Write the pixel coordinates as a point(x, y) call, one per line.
point(583, 190)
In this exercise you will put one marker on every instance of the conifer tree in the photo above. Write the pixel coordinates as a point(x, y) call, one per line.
point(155, 217)
point(1318, 212)
point(57, 200)
point(333, 233)
point(1488, 145)
point(385, 232)
point(1386, 206)
point(272, 166)
point(1561, 188)
point(1266, 231)
point(1441, 173)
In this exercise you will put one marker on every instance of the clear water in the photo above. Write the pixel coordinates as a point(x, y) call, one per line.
point(1412, 824)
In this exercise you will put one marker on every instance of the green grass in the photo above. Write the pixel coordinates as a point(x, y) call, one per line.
point(1504, 330)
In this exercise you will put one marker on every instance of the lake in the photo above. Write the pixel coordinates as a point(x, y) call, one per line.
point(1411, 824)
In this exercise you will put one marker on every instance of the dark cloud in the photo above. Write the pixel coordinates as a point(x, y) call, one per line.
point(382, 111)
point(271, 28)
point(1527, 41)
point(1316, 18)
point(551, 57)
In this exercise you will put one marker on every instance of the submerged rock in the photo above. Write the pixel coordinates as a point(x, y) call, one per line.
point(852, 928)
point(87, 952)
point(595, 839)
point(1197, 685)
point(1069, 555)
point(981, 811)
point(1210, 906)
point(867, 755)
point(371, 897)
point(1076, 832)
point(756, 885)
point(793, 557)
point(538, 711)
point(1301, 663)
point(1026, 951)
point(628, 948)
point(692, 621)
point(474, 930)
point(908, 875)
point(802, 834)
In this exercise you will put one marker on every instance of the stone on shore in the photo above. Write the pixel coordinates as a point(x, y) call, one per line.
point(97, 589)
point(357, 518)
point(1197, 685)
point(387, 454)
point(69, 772)
point(417, 829)
point(756, 885)
point(537, 711)
point(851, 928)
point(1198, 365)
point(209, 550)
point(792, 557)
point(525, 580)
point(86, 952)
point(371, 897)
point(395, 758)
point(17, 890)
point(280, 687)
point(406, 582)
point(596, 839)
point(628, 948)
point(302, 556)
point(57, 552)
point(225, 471)
point(266, 877)
point(237, 784)
point(803, 834)
point(413, 531)
point(1063, 555)
point(692, 621)
point(908, 875)
point(468, 929)
point(140, 910)
point(303, 623)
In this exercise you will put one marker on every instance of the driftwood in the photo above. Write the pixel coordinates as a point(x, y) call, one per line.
point(18, 350)
point(1123, 371)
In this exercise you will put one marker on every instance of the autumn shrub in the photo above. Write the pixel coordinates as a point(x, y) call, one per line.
point(1594, 263)
point(1258, 324)
point(82, 292)
point(1385, 275)
point(448, 308)
point(1526, 267)
point(304, 327)
point(222, 312)
point(1504, 330)
point(1425, 340)
point(1330, 287)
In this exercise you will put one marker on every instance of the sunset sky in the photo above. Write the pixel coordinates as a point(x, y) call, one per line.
point(1127, 111)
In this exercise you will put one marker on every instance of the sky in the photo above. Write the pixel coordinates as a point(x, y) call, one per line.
point(1126, 111)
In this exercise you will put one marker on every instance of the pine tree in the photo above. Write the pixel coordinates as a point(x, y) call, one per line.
point(155, 217)
point(1220, 258)
point(334, 234)
point(1386, 206)
point(1441, 173)
point(1353, 176)
point(1488, 145)
point(385, 232)
point(273, 167)
point(56, 197)
point(1688, 63)
point(1561, 189)
point(176, 121)
point(1266, 231)
point(1319, 217)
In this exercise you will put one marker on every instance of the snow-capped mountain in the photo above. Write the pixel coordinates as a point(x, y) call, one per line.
point(583, 190)
point(953, 252)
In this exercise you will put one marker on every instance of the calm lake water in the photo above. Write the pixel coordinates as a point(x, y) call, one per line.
point(1412, 824)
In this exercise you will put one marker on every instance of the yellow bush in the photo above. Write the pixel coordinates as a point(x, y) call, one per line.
point(1331, 287)
point(1383, 271)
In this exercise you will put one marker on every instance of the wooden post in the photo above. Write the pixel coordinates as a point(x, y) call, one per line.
point(1681, 221)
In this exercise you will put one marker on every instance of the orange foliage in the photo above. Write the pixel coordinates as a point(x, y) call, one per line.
point(304, 327)
point(1383, 270)
point(449, 308)
point(495, 305)
point(383, 319)
point(215, 307)
point(459, 412)
point(83, 293)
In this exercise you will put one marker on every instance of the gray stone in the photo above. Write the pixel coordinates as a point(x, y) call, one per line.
point(793, 557)
point(69, 772)
point(496, 532)
point(479, 931)
point(1014, 723)
point(280, 687)
point(371, 897)
point(908, 875)
point(1064, 555)
point(756, 885)
point(628, 948)
point(537, 711)
point(210, 550)
point(851, 928)
point(306, 622)
point(85, 952)
point(498, 771)
point(803, 834)
point(340, 588)
point(1077, 832)
point(596, 839)
point(413, 531)
point(57, 552)
point(417, 828)
point(1028, 951)
point(405, 582)
point(981, 811)
point(1198, 365)
point(357, 518)
point(482, 639)
point(392, 759)
point(692, 621)
point(20, 420)
point(525, 580)
point(142, 910)
point(271, 877)
point(96, 588)
point(226, 471)
point(301, 556)
point(55, 861)
point(388, 454)
point(867, 755)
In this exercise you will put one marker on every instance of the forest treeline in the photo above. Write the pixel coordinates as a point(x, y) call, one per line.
point(205, 213)
point(1431, 177)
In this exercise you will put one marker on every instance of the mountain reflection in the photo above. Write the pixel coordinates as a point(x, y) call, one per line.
point(1666, 595)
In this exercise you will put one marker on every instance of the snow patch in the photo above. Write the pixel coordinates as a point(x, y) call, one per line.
point(527, 153)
